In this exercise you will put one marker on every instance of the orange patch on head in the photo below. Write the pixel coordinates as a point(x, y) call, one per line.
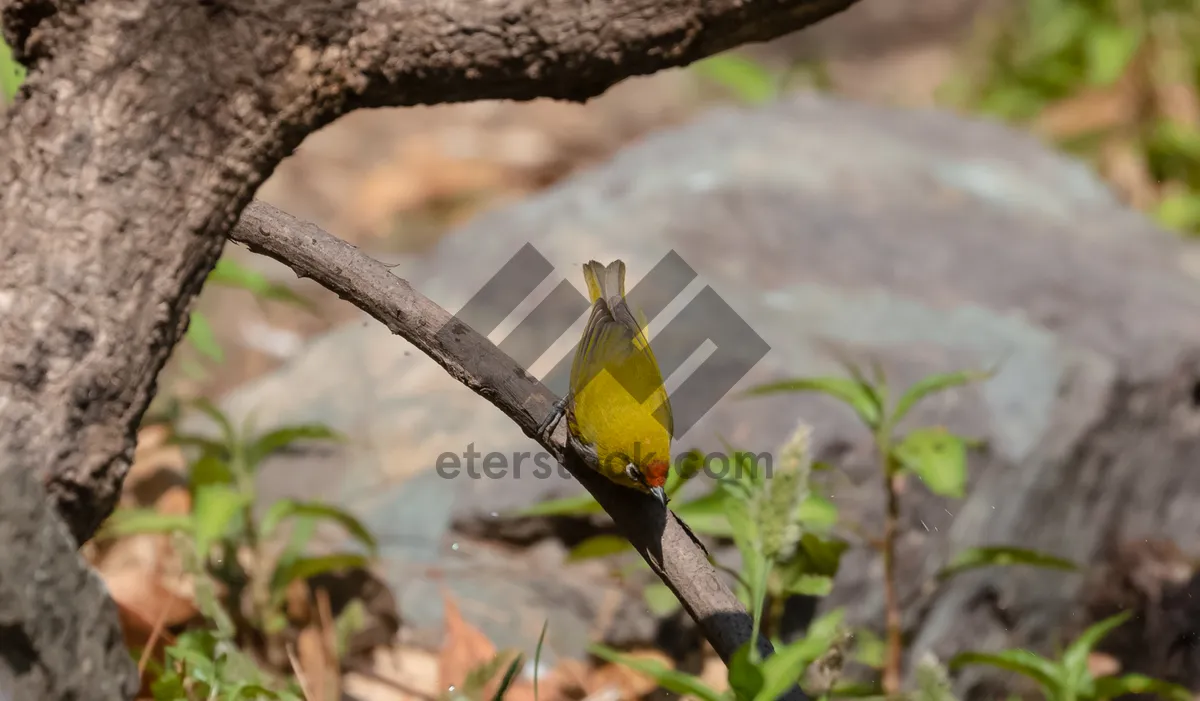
point(656, 473)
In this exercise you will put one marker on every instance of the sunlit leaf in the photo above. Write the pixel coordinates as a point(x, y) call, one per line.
point(214, 510)
point(810, 585)
point(1179, 211)
point(1074, 659)
point(510, 676)
point(206, 407)
point(817, 512)
point(537, 657)
point(706, 515)
point(1109, 49)
point(598, 546)
point(1113, 687)
point(280, 438)
point(661, 601)
point(745, 673)
point(127, 522)
point(569, 506)
point(932, 385)
point(1045, 672)
point(12, 74)
point(209, 469)
point(287, 508)
point(200, 335)
point(856, 395)
point(674, 681)
point(972, 558)
point(230, 273)
point(787, 665)
point(308, 567)
point(749, 80)
point(938, 457)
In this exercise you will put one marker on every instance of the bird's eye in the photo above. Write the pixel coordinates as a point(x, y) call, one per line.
point(634, 474)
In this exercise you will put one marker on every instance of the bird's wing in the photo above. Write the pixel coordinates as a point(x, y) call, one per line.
point(613, 340)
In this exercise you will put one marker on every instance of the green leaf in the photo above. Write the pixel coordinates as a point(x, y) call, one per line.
point(598, 546)
point(869, 649)
point(537, 657)
point(126, 522)
point(350, 621)
point(749, 80)
point(810, 585)
point(661, 601)
point(1074, 659)
point(787, 665)
point(510, 676)
point(1179, 211)
point(706, 515)
point(210, 469)
point(308, 567)
point(214, 510)
point(1180, 137)
point(745, 675)
point(251, 691)
point(1109, 48)
point(280, 438)
point(569, 506)
point(200, 335)
point(230, 273)
point(1112, 687)
point(1043, 671)
point(674, 681)
point(857, 395)
point(818, 513)
point(932, 385)
point(938, 457)
point(288, 508)
point(12, 74)
point(228, 435)
point(994, 556)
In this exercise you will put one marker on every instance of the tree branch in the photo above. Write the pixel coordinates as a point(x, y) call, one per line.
point(145, 126)
point(473, 360)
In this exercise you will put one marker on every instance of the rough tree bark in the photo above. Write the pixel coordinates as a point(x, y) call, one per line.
point(145, 127)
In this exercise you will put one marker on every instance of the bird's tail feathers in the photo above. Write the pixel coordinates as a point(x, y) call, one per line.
point(604, 282)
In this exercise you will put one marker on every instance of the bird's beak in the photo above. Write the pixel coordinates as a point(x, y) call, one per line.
point(660, 494)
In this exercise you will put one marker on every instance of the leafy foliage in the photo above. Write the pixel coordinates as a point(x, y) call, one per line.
point(1069, 679)
point(1112, 81)
point(221, 525)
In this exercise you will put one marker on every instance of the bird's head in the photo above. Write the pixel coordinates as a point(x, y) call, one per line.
point(651, 478)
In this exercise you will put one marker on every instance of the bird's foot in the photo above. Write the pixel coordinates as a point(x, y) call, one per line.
point(550, 423)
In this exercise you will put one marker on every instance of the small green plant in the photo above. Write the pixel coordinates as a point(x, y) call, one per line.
point(750, 677)
point(12, 74)
point(202, 665)
point(229, 273)
point(932, 453)
point(1068, 678)
point(752, 82)
point(225, 541)
point(1102, 77)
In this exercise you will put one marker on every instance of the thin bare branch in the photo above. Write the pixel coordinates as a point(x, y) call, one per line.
point(665, 544)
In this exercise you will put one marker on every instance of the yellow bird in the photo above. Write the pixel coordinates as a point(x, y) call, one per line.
point(618, 412)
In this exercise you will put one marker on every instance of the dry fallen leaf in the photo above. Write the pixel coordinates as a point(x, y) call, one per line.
point(463, 649)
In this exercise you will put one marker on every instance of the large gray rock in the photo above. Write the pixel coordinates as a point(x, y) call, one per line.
point(930, 242)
